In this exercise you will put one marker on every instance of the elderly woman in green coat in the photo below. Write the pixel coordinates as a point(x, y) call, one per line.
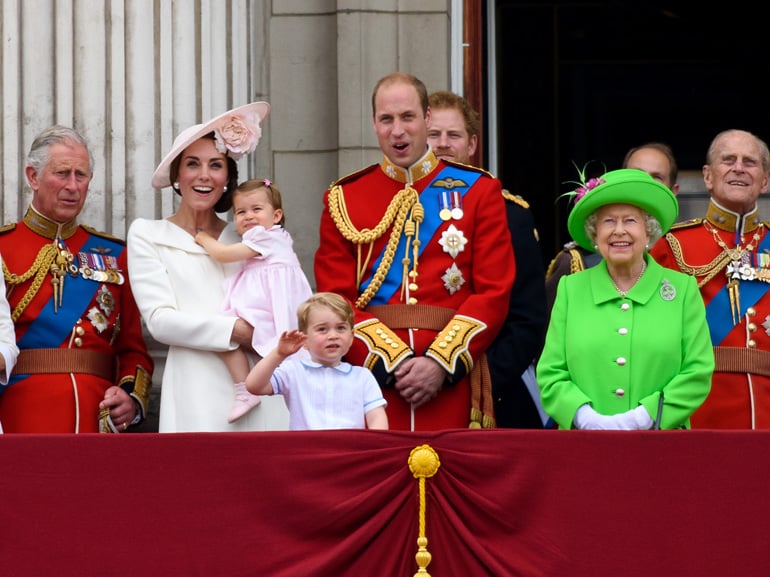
point(627, 346)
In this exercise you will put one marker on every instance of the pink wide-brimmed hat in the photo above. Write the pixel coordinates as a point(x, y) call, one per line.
point(237, 133)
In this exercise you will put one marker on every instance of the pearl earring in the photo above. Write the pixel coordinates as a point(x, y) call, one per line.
point(176, 185)
point(224, 189)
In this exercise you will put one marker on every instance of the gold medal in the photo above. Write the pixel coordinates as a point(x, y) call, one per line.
point(445, 214)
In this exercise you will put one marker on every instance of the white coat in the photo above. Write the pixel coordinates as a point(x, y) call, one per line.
point(178, 288)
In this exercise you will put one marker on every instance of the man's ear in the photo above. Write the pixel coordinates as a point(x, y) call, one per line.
point(473, 143)
point(31, 176)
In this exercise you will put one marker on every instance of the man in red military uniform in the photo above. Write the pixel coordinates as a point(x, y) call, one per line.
point(83, 365)
point(727, 251)
point(421, 247)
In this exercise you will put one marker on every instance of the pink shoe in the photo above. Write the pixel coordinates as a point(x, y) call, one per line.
point(243, 403)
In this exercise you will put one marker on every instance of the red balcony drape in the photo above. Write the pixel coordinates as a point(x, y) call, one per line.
point(345, 503)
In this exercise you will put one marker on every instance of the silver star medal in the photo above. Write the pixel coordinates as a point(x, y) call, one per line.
point(453, 241)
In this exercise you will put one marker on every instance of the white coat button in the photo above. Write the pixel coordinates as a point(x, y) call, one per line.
point(623, 331)
point(625, 306)
point(619, 392)
point(621, 361)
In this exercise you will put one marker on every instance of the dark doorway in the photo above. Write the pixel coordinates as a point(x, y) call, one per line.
point(585, 81)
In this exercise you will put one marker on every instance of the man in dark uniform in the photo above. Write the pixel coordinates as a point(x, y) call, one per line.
point(453, 134)
point(422, 249)
point(83, 365)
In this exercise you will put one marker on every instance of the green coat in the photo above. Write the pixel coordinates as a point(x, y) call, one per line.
point(617, 353)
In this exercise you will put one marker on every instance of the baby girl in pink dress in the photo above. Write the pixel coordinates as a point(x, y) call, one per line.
point(270, 285)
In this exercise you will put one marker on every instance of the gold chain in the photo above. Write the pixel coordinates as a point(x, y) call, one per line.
point(737, 252)
point(39, 268)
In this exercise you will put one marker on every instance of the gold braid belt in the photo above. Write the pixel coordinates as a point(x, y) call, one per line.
point(740, 360)
point(435, 318)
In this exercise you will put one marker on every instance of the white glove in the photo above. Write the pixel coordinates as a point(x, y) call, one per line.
point(588, 419)
point(634, 420)
point(637, 419)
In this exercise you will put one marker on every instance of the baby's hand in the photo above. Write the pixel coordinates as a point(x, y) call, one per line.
point(201, 236)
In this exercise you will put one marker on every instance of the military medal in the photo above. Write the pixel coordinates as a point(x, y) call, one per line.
point(457, 205)
point(99, 267)
point(445, 212)
point(453, 241)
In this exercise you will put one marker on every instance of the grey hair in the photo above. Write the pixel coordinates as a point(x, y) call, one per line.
point(764, 153)
point(39, 155)
point(651, 226)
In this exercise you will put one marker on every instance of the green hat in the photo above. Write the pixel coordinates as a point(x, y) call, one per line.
point(624, 186)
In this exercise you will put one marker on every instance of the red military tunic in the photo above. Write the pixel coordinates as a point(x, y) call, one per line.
point(77, 345)
point(733, 272)
point(459, 262)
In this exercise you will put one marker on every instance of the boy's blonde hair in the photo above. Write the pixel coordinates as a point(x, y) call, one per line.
point(332, 301)
point(273, 193)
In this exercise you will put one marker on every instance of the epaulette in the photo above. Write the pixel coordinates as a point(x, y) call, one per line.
point(354, 175)
point(8, 227)
point(687, 223)
point(469, 167)
point(515, 198)
point(102, 234)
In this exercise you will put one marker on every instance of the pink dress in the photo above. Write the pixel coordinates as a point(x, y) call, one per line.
point(269, 288)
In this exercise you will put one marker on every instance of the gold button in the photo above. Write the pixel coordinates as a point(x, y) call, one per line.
point(442, 345)
point(751, 311)
point(752, 344)
point(752, 327)
point(78, 342)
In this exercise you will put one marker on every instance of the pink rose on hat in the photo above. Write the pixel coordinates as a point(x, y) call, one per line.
point(238, 135)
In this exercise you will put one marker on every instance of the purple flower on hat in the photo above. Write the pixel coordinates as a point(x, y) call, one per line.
point(238, 135)
point(592, 183)
point(583, 186)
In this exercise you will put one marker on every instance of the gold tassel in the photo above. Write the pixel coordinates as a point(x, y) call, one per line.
point(423, 463)
point(735, 300)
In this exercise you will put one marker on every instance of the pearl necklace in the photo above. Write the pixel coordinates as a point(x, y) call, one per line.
point(636, 280)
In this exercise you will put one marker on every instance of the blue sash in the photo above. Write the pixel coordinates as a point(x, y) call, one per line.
point(50, 329)
point(718, 313)
point(462, 180)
